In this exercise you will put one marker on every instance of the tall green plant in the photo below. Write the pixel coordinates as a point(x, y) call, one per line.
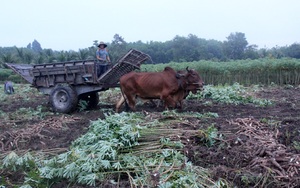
point(7, 58)
point(246, 72)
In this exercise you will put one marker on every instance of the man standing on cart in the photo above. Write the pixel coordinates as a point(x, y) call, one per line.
point(103, 59)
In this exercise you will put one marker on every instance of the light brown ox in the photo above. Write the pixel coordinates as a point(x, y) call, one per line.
point(158, 85)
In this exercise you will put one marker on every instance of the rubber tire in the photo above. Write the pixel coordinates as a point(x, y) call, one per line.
point(63, 99)
point(91, 98)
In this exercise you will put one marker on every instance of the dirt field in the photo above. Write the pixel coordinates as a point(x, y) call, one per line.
point(253, 144)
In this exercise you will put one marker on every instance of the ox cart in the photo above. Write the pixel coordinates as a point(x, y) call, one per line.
point(68, 82)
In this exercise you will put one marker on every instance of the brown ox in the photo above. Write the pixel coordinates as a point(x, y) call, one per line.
point(161, 85)
point(182, 92)
point(187, 87)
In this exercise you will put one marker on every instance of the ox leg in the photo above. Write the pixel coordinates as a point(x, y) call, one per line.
point(168, 101)
point(180, 104)
point(119, 104)
point(127, 108)
point(131, 101)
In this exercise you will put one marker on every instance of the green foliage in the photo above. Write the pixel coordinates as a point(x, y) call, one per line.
point(294, 51)
point(210, 135)
point(22, 92)
point(29, 113)
point(264, 68)
point(4, 74)
point(235, 94)
point(180, 116)
point(16, 78)
point(96, 151)
point(296, 145)
point(275, 124)
point(26, 163)
point(246, 72)
point(6, 57)
point(108, 150)
point(235, 45)
point(83, 105)
point(179, 49)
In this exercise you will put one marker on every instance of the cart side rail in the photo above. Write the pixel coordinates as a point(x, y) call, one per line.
point(23, 70)
point(129, 62)
point(74, 73)
point(66, 63)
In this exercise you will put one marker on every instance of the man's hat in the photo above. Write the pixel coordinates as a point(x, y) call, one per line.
point(102, 43)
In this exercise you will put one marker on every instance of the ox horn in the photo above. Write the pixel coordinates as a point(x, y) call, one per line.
point(178, 75)
point(187, 68)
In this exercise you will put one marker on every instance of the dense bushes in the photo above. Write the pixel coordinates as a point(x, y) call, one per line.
point(8, 74)
point(4, 74)
point(260, 71)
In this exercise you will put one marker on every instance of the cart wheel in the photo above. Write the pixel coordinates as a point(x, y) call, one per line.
point(91, 98)
point(63, 99)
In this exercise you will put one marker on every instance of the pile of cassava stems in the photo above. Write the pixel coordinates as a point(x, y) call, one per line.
point(261, 145)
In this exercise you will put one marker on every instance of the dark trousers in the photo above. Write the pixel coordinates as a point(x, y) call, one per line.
point(102, 68)
point(8, 89)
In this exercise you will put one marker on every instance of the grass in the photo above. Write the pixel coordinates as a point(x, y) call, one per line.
point(23, 94)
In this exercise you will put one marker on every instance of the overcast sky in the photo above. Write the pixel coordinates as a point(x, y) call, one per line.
point(75, 24)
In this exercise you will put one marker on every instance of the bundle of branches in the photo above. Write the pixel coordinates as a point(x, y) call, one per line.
point(170, 142)
point(266, 154)
point(143, 151)
point(10, 139)
point(172, 130)
point(155, 140)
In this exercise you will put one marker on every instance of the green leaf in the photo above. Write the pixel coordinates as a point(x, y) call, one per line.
point(117, 165)
point(71, 171)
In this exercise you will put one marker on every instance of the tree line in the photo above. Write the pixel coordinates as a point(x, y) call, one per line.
point(180, 49)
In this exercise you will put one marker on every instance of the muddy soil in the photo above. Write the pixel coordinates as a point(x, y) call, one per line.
point(59, 130)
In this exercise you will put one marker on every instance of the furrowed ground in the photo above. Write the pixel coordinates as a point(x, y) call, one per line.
point(239, 136)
